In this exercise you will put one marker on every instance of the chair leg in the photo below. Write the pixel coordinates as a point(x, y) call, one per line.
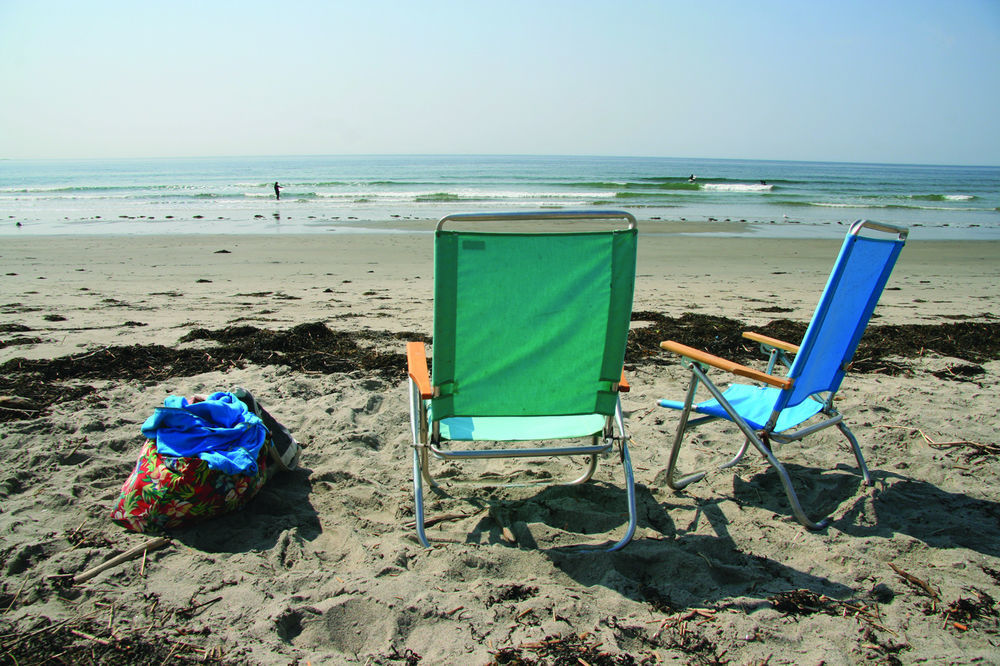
point(421, 472)
point(626, 459)
point(754, 439)
point(587, 474)
point(793, 498)
point(683, 482)
point(418, 498)
point(633, 518)
point(738, 456)
point(857, 452)
point(419, 462)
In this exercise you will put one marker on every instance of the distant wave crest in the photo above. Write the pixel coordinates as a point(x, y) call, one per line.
point(887, 206)
point(736, 187)
point(943, 197)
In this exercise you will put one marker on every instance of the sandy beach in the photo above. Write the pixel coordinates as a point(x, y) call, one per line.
point(322, 567)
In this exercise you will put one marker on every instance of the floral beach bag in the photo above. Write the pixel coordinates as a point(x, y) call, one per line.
point(202, 458)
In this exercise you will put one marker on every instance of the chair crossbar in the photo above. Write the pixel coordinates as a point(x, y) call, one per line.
point(522, 453)
point(795, 435)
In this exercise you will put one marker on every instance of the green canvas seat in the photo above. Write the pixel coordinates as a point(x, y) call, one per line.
point(529, 342)
point(800, 403)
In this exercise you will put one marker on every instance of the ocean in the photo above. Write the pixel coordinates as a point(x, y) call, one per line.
point(322, 194)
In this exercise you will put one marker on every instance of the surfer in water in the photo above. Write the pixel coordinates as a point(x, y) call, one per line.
point(277, 190)
point(692, 178)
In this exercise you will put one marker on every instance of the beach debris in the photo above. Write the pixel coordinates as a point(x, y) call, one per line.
point(17, 403)
point(189, 612)
point(444, 517)
point(89, 538)
point(678, 621)
point(960, 373)
point(8, 600)
point(807, 602)
point(656, 599)
point(679, 636)
point(131, 554)
point(575, 649)
point(407, 656)
point(921, 586)
point(514, 592)
point(963, 611)
point(978, 449)
point(802, 602)
point(83, 640)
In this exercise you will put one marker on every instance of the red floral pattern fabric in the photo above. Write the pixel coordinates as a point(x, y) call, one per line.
point(164, 492)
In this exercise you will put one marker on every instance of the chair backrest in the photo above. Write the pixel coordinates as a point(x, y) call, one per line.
point(855, 285)
point(531, 324)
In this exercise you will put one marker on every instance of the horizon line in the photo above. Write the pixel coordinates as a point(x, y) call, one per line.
point(473, 155)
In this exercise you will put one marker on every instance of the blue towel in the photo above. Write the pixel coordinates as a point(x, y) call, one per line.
point(221, 431)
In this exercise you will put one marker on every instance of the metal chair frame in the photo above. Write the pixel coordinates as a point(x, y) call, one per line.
point(761, 438)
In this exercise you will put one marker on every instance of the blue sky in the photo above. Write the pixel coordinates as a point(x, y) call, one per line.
point(885, 81)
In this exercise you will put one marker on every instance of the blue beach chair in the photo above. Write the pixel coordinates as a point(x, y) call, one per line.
point(529, 344)
point(800, 403)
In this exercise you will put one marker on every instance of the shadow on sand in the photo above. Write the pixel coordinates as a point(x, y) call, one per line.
point(670, 572)
point(282, 505)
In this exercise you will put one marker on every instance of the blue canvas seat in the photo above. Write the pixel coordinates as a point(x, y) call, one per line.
point(790, 407)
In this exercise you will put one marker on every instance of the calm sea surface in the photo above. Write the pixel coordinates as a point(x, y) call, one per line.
point(342, 194)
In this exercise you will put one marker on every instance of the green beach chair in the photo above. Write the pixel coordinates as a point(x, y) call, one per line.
point(529, 343)
point(788, 408)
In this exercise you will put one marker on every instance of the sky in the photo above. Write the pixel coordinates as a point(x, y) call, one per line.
point(904, 81)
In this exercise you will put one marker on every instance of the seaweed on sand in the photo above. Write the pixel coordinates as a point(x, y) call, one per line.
point(37, 384)
point(29, 387)
point(975, 342)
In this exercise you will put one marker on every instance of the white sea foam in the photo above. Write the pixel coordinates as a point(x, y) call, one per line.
point(462, 194)
point(736, 187)
point(959, 197)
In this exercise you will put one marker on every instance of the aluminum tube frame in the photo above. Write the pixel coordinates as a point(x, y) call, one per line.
point(539, 215)
point(752, 436)
point(421, 460)
point(859, 225)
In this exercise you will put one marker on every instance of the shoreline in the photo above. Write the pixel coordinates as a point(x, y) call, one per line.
point(81, 290)
point(279, 223)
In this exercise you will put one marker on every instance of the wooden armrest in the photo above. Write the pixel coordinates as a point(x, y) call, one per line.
point(723, 364)
point(623, 384)
point(771, 342)
point(416, 367)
